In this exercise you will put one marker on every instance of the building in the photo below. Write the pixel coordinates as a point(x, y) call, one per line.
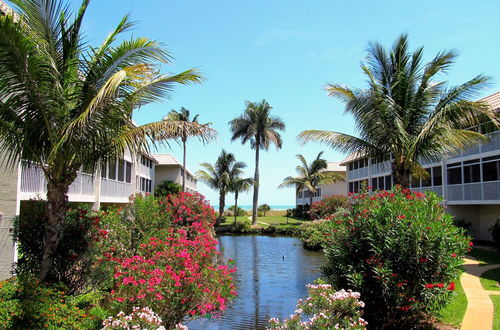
point(169, 169)
point(338, 188)
point(469, 182)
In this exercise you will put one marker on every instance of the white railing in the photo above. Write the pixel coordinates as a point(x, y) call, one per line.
point(33, 179)
point(492, 145)
point(115, 189)
point(480, 191)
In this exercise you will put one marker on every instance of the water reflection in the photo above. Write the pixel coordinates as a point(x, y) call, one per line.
point(272, 274)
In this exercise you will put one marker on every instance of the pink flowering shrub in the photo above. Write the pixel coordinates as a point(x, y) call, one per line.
point(171, 265)
point(400, 250)
point(328, 206)
point(140, 318)
point(325, 308)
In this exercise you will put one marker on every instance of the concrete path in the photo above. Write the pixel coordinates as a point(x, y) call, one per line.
point(262, 223)
point(479, 313)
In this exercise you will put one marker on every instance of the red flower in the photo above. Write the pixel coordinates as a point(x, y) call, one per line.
point(429, 286)
point(451, 287)
point(471, 244)
point(428, 227)
point(440, 285)
point(401, 217)
point(453, 255)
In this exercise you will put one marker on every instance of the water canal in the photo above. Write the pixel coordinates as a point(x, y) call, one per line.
point(272, 274)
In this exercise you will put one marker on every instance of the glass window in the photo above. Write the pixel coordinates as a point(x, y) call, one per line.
point(472, 173)
point(112, 170)
point(491, 171)
point(388, 182)
point(427, 181)
point(104, 171)
point(374, 184)
point(350, 166)
point(356, 186)
point(351, 187)
point(121, 170)
point(437, 176)
point(415, 182)
point(128, 172)
point(455, 175)
point(356, 164)
point(381, 183)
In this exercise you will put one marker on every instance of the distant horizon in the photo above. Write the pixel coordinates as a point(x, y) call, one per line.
point(248, 207)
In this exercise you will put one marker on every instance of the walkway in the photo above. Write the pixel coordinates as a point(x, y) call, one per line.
point(479, 313)
point(262, 223)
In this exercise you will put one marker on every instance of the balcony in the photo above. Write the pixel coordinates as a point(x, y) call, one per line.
point(474, 193)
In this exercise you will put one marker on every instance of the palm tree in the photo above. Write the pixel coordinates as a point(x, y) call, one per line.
point(239, 185)
point(65, 104)
point(311, 176)
point(257, 126)
point(220, 176)
point(406, 113)
point(189, 128)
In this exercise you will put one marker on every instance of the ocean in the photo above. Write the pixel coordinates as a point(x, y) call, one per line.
point(249, 207)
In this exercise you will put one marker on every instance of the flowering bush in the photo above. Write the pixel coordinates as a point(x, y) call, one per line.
point(140, 318)
point(315, 234)
point(173, 269)
point(328, 206)
point(400, 250)
point(326, 309)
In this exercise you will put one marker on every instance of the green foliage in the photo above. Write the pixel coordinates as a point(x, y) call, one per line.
point(166, 188)
point(264, 208)
point(314, 234)
point(239, 213)
point(25, 303)
point(328, 206)
point(73, 255)
point(495, 232)
point(400, 250)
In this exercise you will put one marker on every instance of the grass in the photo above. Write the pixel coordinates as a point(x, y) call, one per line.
point(490, 279)
point(496, 318)
point(268, 220)
point(454, 312)
point(486, 256)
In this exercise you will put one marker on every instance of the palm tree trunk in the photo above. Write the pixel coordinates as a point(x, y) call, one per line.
point(235, 205)
point(310, 205)
point(222, 204)
point(401, 175)
point(184, 166)
point(57, 202)
point(256, 184)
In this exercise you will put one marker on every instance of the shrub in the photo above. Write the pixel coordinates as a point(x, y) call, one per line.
point(73, 255)
point(174, 268)
point(315, 234)
point(26, 303)
point(400, 251)
point(328, 206)
point(264, 208)
point(240, 212)
point(326, 309)
point(495, 232)
point(165, 188)
point(140, 318)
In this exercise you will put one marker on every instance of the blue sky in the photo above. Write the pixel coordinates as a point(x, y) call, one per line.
point(285, 52)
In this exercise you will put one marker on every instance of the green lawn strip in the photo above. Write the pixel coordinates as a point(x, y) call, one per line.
point(490, 279)
point(453, 313)
point(273, 220)
point(496, 317)
point(485, 256)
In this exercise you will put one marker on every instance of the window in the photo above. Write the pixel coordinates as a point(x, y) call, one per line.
point(128, 172)
point(437, 176)
point(380, 183)
point(491, 171)
point(356, 186)
point(112, 170)
point(121, 170)
point(374, 183)
point(351, 187)
point(454, 175)
point(351, 166)
point(356, 165)
point(472, 173)
point(104, 171)
point(388, 182)
point(427, 181)
point(415, 182)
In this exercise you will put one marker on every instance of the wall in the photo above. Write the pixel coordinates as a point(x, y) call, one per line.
point(338, 188)
point(482, 217)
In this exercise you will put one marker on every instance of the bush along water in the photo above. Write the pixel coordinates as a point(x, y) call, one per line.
point(400, 250)
point(328, 206)
point(324, 308)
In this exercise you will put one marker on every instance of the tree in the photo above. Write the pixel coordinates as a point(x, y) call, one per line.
point(406, 113)
point(220, 175)
point(65, 104)
point(239, 185)
point(166, 188)
point(258, 127)
point(189, 128)
point(264, 208)
point(311, 176)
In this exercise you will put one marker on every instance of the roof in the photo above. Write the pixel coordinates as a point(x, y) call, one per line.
point(335, 167)
point(492, 100)
point(168, 160)
point(350, 158)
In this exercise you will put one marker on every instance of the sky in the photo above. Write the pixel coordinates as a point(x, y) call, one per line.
point(286, 52)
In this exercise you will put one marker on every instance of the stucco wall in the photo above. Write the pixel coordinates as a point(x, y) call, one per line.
point(172, 173)
point(338, 188)
point(482, 217)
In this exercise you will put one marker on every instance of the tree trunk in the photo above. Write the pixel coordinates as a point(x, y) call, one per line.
point(184, 165)
point(256, 184)
point(57, 203)
point(401, 175)
point(235, 205)
point(310, 205)
point(222, 204)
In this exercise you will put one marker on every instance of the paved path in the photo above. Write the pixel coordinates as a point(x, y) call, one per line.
point(479, 313)
point(262, 223)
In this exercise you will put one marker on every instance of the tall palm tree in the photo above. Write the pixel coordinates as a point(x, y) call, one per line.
point(239, 185)
point(406, 113)
point(65, 104)
point(311, 176)
point(220, 175)
point(258, 127)
point(189, 128)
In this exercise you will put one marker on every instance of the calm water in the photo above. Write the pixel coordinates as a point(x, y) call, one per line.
point(272, 274)
point(249, 207)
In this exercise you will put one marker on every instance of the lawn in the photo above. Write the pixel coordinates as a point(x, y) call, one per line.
point(454, 312)
point(496, 319)
point(270, 220)
point(490, 279)
point(486, 256)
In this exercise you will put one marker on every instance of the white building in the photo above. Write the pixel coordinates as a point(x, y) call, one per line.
point(169, 169)
point(469, 181)
point(337, 188)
